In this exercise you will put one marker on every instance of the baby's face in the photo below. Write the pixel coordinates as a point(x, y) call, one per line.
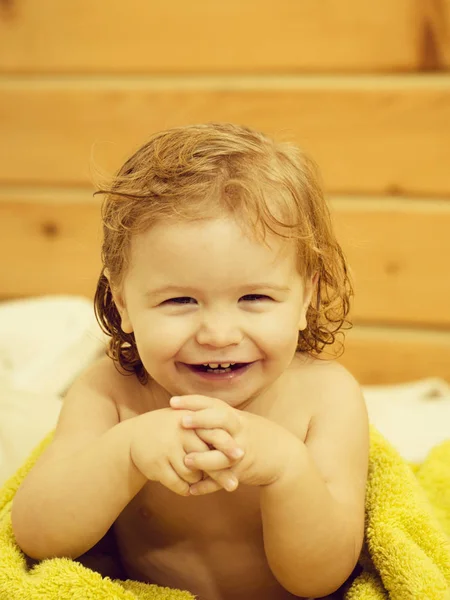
point(205, 293)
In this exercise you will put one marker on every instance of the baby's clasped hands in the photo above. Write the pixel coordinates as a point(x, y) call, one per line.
point(262, 451)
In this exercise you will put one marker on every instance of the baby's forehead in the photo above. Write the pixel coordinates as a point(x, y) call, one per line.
point(217, 249)
point(221, 233)
point(182, 257)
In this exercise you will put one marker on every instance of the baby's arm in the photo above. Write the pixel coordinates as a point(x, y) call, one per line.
point(82, 481)
point(313, 515)
point(96, 465)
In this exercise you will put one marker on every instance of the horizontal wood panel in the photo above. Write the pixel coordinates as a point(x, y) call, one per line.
point(173, 36)
point(398, 251)
point(369, 135)
point(378, 356)
point(49, 248)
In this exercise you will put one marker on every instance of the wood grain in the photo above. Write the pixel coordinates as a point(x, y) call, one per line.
point(239, 36)
point(49, 247)
point(370, 135)
point(397, 251)
point(379, 355)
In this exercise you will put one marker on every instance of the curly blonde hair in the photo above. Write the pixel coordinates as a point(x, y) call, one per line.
point(199, 171)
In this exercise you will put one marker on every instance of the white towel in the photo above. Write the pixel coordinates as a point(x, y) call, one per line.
point(413, 416)
point(25, 418)
point(45, 342)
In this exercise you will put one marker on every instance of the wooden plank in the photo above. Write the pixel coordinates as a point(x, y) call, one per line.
point(399, 253)
point(378, 356)
point(372, 135)
point(173, 36)
point(49, 247)
point(397, 250)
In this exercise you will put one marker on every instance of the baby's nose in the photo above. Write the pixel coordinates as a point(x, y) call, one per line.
point(219, 332)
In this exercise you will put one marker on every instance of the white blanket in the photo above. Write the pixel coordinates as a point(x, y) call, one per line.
point(413, 416)
point(44, 344)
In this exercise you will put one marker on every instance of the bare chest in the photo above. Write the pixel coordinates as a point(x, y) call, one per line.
point(210, 545)
point(158, 514)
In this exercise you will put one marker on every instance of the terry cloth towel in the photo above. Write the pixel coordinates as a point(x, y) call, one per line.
point(406, 553)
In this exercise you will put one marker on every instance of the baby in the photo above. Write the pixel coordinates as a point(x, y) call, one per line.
point(219, 450)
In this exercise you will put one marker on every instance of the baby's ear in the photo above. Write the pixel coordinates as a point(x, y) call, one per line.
point(309, 288)
point(119, 301)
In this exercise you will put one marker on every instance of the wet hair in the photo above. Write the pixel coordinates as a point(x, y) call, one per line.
point(199, 172)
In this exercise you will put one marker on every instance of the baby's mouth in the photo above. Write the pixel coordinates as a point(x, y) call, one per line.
point(225, 368)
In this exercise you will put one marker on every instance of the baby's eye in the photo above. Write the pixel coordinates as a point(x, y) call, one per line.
point(181, 300)
point(252, 297)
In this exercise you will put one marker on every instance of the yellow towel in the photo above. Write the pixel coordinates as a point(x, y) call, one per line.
point(406, 554)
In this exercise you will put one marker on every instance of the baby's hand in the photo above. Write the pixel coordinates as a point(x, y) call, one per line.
point(266, 445)
point(222, 454)
point(159, 447)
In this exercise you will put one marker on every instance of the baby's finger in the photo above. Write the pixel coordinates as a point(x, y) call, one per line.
point(206, 486)
point(194, 402)
point(221, 440)
point(225, 479)
point(212, 418)
point(171, 480)
point(207, 461)
point(190, 475)
point(192, 442)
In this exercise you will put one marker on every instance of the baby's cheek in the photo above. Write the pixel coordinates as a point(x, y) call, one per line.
point(160, 339)
point(278, 335)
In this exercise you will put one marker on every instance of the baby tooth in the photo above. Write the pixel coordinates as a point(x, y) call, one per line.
point(215, 365)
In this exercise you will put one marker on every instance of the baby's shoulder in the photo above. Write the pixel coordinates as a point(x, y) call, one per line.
point(315, 395)
point(103, 375)
point(122, 388)
point(313, 385)
point(321, 377)
point(318, 371)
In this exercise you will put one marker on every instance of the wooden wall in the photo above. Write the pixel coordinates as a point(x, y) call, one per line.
point(362, 85)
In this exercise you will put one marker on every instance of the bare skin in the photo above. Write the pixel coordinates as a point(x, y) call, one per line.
point(211, 545)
